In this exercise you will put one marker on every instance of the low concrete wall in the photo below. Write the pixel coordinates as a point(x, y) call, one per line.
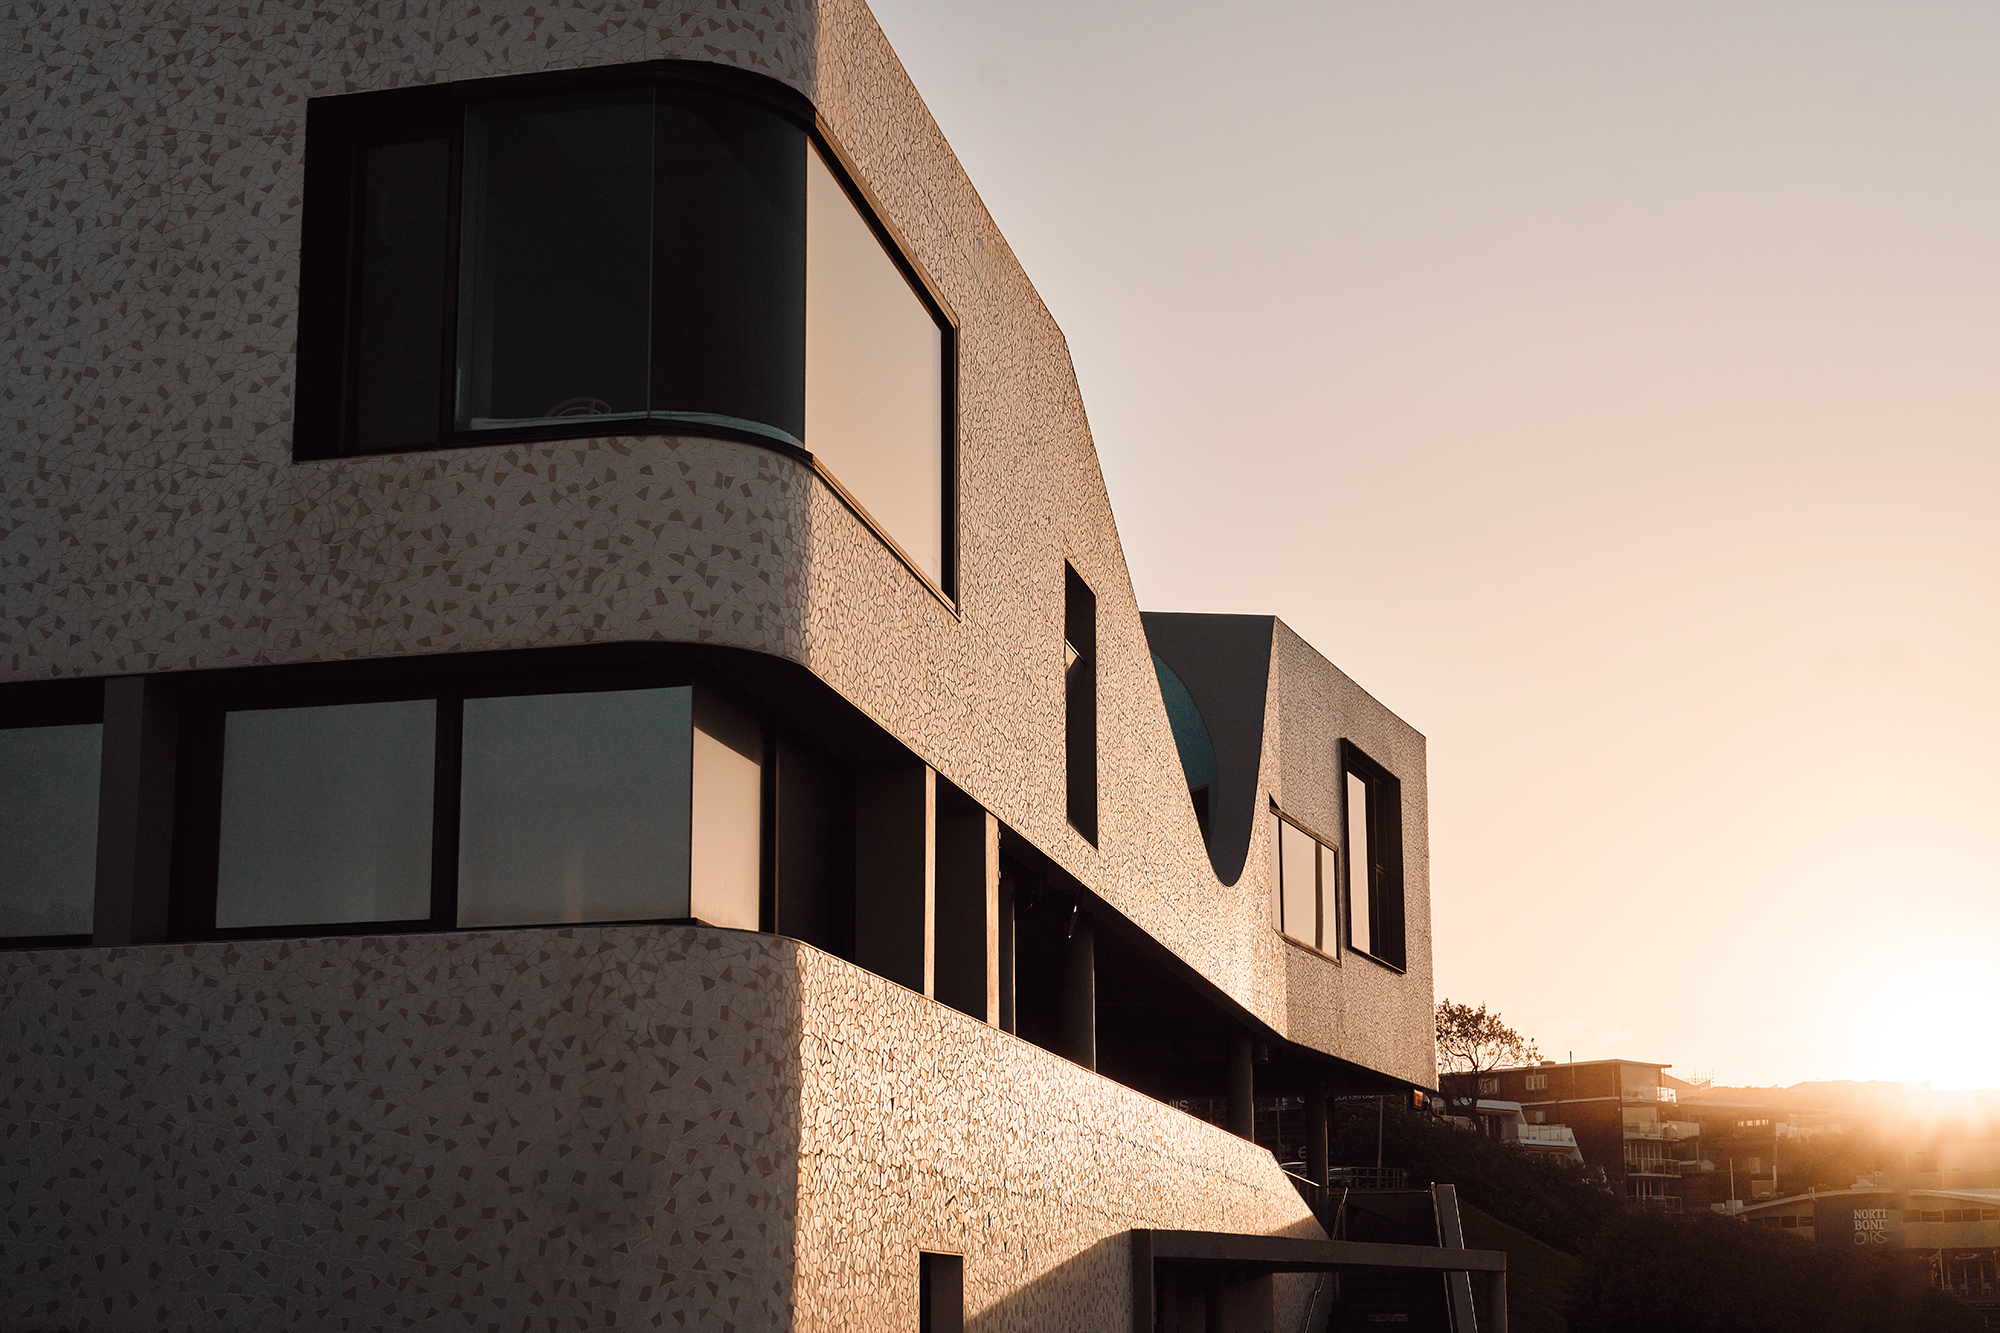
point(590, 1126)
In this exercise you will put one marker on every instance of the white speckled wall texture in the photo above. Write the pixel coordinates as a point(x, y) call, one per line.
point(662, 1127)
point(151, 518)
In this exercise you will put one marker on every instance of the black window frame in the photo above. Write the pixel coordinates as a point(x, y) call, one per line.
point(339, 131)
point(197, 817)
point(1327, 929)
point(55, 703)
point(1382, 897)
point(1080, 782)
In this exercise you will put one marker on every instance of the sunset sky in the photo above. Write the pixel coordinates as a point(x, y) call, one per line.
point(1614, 391)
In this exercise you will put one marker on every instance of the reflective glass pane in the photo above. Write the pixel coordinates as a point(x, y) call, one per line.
point(555, 259)
point(874, 378)
point(729, 266)
point(574, 807)
point(403, 255)
point(1300, 861)
point(1360, 876)
point(326, 815)
point(48, 829)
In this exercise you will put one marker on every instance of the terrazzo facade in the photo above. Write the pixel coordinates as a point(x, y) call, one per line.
point(516, 1129)
point(151, 518)
point(660, 1127)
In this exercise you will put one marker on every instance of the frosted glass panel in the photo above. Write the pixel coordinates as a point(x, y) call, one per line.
point(1360, 878)
point(574, 807)
point(326, 815)
point(48, 829)
point(874, 375)
point(1301, 885)
point(726, 858)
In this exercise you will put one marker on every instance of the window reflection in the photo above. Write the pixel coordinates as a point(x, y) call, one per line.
point(326, 815)
point(1360, 879)
point(48, 829)
point(1300, 868)
point(874, 375)
point(574, 807)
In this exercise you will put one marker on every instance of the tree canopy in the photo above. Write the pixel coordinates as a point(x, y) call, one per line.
point(1469, 1040)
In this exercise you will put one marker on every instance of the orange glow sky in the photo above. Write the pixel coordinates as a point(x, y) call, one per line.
point(1613, 390)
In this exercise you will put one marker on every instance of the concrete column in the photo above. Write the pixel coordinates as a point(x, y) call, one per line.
point(1079, 993)
point(895, 875)
point(1242, 1087)
point(1316, 1129)
point(135, 811)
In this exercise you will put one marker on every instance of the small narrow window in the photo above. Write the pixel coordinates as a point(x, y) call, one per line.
point(1374, 817)
point(941, 1293)
point(1080, 702)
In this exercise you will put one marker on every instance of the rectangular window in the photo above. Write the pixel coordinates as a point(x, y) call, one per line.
point(1538, 1083)
point(1488, 1086)
point(48, 829)
point(1080, 703)
point(574, 807)
point(326, 815)
point(941, 1293)
point(1303, 870)
point(1374, 819)
point(446, 811)
point(875, 397)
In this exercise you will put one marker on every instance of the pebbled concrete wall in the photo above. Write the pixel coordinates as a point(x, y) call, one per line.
point(660, 1127)
point(151, 518)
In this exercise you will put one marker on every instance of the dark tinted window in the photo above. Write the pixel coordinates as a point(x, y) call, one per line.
point(555, 258)
point(729, 265)
point(404, 249)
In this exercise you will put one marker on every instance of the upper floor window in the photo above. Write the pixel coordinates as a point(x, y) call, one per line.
point(1304, 871)
point(1538, 1083)
point(1374, 816)
point(673, 247)
point(1080, 703)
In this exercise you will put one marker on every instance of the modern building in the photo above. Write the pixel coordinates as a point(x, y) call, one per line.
point(576, 745)
point(1621, 1112)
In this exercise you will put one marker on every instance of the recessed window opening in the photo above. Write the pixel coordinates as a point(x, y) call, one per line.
point(1374, 865)
point(450, 811)
point(1080, 703)
point(941, 1293)
point(667, 248)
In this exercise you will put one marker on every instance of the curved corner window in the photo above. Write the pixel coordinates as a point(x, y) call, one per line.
point(666, 248)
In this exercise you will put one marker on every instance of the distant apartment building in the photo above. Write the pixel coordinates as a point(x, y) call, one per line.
point(1622, 1113)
